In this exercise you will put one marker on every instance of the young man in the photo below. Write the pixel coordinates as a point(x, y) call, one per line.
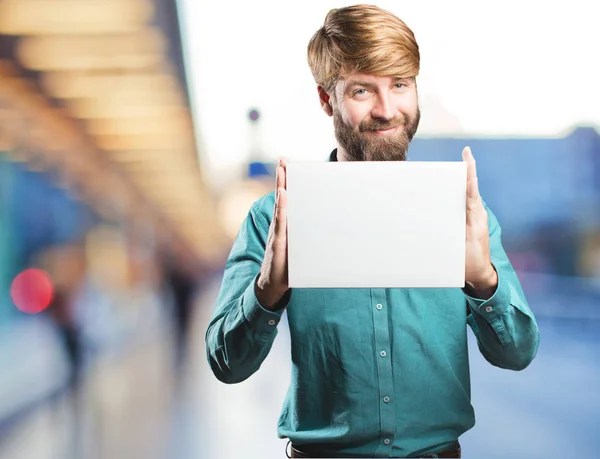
point(376, 372)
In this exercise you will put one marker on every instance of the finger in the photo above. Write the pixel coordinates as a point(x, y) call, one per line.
point(283, 165)
point(471, 165)
point(473, 191)
point(281, 178)
point(278, 178)
point(281, 214)
point(472, 201)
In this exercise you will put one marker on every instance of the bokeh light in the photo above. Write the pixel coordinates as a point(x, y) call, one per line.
point(32, 291)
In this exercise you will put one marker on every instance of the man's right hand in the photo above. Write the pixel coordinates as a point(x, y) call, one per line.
point(272, 282)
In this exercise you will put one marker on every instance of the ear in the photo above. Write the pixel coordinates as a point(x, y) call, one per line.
point(325, 100)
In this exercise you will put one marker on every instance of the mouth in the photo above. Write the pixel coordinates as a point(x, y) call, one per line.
point(386, 132)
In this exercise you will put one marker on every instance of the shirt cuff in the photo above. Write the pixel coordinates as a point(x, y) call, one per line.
point(264, 320)
point(495, 306)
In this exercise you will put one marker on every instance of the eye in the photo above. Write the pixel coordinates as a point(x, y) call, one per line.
point(400, 85)
point(360, 93)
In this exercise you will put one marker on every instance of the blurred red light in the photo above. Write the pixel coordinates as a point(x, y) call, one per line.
point(32, 291)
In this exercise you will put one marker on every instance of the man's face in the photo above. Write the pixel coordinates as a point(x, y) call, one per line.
point(375, 117)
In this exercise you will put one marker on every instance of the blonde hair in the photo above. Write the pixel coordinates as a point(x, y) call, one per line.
point(365, 39)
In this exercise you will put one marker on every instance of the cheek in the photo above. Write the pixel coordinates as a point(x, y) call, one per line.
point(409, 105)
point(353, 115)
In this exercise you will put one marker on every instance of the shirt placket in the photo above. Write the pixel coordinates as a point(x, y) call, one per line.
point(383, 357)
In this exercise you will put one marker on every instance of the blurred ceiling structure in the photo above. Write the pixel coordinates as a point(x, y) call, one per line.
point(97, 90)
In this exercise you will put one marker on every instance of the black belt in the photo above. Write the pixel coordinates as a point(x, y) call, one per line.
point(452, 451)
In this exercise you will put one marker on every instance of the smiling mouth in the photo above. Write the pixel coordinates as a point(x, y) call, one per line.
point(386, 132)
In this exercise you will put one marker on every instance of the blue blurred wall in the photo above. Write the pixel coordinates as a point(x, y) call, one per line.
point(545, 192)
point(530, 182)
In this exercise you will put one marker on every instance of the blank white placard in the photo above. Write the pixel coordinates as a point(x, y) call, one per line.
point(376, 224)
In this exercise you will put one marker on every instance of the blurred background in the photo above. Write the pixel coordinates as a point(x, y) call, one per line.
point(134, 136)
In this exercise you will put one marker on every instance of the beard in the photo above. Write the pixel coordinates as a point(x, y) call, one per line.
point(359, 147)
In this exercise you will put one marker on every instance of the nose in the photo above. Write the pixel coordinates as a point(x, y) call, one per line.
point(382, 108)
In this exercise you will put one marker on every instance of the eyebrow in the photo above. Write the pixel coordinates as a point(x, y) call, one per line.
point(365, 84)
point(369, 85)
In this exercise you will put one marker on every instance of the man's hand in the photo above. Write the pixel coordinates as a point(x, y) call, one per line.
point(272, 282)
point(480, 275)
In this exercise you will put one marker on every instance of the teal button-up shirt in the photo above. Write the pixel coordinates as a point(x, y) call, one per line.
point(375, 372)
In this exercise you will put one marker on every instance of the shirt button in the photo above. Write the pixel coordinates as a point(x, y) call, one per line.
point(379, 306)
point(489, 309)
point(272, 322)
point(387, 441)
point(383, 353)
point(386, 399)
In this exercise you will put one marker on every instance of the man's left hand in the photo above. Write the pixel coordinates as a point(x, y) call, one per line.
point(480, 275)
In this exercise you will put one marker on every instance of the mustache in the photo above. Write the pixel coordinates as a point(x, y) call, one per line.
point(375, 125)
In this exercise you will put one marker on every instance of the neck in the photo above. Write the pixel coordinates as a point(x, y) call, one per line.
point(341, 154)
